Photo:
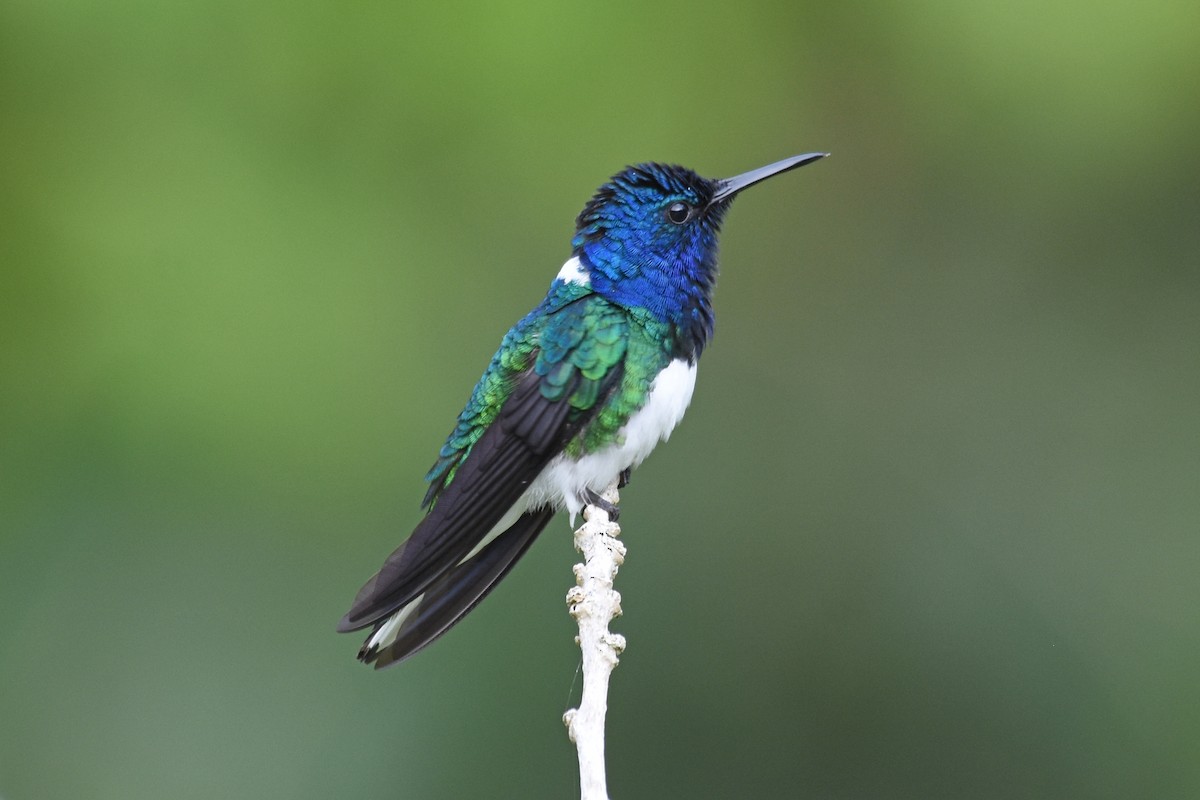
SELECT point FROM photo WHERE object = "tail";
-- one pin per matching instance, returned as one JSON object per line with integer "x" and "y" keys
{"x": 449, "y": 597}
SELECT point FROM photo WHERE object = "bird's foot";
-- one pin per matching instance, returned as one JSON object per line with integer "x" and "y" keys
{"x": 593, "y": 499}
{"x": 623, "y": 479}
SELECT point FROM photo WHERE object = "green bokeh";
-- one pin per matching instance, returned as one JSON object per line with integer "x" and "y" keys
{"x": 929, "y": 531}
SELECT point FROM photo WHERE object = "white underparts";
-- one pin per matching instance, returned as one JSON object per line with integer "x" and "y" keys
{"x": 564, "y": 479}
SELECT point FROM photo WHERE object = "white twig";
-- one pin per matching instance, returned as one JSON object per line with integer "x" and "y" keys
{"x": 593, "y": 603}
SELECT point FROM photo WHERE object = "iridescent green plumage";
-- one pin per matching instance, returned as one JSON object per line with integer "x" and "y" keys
{"x": 606, "y": 356}
{"x": 579, "y": 393}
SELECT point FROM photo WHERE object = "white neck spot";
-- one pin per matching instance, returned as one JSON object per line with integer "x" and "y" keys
{"x": 574, "y": 272}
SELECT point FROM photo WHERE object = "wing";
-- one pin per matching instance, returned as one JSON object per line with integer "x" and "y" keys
{"x": 453, "y": 595}
{"x": 551, "y": 375}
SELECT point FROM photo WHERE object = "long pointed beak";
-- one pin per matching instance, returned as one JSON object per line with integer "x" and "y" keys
{"x": 728, "y": 187}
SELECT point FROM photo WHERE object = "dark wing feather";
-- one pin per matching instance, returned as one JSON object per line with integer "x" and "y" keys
{"x": 573, "y": 362}
{"x": 460, "y": 589}
{"x": 528, "y": 433}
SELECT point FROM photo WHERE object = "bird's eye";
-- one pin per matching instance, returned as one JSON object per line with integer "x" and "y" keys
{"x": 679, "y": 213}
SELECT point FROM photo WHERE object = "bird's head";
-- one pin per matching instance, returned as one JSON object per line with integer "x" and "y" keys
{"x": 648, "y": 238}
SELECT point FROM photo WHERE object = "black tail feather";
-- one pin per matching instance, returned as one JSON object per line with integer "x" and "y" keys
{"x": 449, "y": 598}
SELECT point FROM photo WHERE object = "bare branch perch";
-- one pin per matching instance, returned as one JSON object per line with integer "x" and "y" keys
{"x": 594, "y": 603}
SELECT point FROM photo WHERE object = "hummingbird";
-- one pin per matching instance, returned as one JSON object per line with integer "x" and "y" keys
{"x": 579, "y": 393}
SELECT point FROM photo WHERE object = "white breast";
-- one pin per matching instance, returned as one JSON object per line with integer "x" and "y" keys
{"x": 564, "y": 479}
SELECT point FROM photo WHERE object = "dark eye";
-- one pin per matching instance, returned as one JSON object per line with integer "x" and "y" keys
{"x": 679, "y": 213}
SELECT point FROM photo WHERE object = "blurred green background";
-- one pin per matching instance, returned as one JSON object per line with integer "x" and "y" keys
{"x": 929, "y": 530}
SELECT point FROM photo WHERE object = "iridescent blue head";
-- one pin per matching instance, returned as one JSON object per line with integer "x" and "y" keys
{"x": 648, "y": 240}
